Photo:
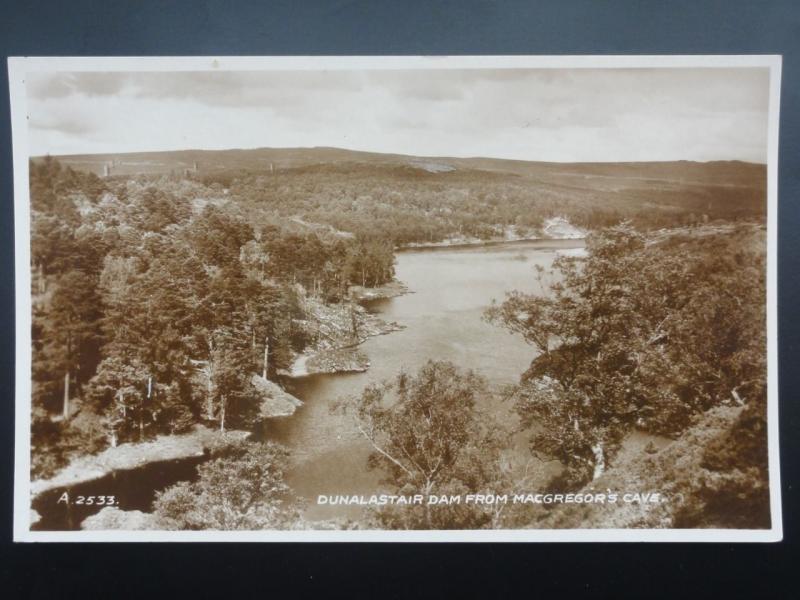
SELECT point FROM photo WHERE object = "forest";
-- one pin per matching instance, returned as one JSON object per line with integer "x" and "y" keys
{"x": 160, "y": 301}
{"x": 664, "y": 335}
{"x": 151, "y": 310}
{"x": 661, "y": 336}
{"x": 415, "y": 200}
{"x": 409, "y": 205}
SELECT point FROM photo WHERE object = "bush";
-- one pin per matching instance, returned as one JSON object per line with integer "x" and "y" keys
{"x": 242, "y": 488}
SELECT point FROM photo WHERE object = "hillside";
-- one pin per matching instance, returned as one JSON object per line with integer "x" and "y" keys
{"x": 697, "y": 447}
{"x": 725, "y": 173}
{"x": 693, "y": 489}
{"x": 423, "y": 200}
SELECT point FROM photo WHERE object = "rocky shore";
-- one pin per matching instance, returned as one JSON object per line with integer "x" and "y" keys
{"x": 275, "y": 401}
{"x": 337, "y": 360}
{"x": 388, "y": 290}
{"x": 338, "y": 329}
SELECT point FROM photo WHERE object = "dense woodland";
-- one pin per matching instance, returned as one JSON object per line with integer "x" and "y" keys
{"x": 157, "y": 297}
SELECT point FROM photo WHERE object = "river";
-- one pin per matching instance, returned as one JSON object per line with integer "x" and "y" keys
{"x": 450, "y": 288}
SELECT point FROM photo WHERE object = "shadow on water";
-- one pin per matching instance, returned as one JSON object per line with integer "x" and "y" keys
{"x": 133, "y": 489}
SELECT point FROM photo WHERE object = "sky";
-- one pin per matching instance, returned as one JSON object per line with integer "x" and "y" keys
{"x": 564, "y": 115}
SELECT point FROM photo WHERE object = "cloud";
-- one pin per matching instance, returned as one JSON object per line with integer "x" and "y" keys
{"x": 60, "y": 85}
{"x": 545, "y": 114}
{"x": 243, "y": 89}
{"x": 63, "y": 124}
{"x": 48, "y": 86}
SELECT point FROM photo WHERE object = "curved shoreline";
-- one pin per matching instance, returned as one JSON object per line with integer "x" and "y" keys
{"x": 132, "y": 455}
{"x": 484, "y": 243}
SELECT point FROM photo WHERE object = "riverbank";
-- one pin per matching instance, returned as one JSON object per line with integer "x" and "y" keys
{"x": 393, "y": 289}
{"x": 338, "y": 329}
{"x": 556, "y": 228}
{"x": 275, "y": 401}
{"x": 133, "y": 455}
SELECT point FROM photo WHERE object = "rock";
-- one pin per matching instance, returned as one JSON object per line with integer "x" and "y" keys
{"x": 560, "y": 229}
{"x": 338, "y": 360}
{"x": 338, "y": 328}
{"x": 112, "y": 518}
{"x": 299, "y": 367}
{"x": 371, "y": 326}
{"x": 275, "y": 401}
{"x": 389, "y": 290}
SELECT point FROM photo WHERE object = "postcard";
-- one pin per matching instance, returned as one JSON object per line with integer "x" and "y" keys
{"x": 473, "y": 299}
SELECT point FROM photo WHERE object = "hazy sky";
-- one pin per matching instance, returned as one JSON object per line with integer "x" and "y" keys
{"x": 531, "y": 114}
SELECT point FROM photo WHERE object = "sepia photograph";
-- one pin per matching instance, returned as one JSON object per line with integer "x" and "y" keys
{"x": 396, "y": 298}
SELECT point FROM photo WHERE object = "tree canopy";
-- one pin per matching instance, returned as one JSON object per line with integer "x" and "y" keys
{"x": 430, "y": 435}
{"x": 242, "y": 488}
{"x": 156, "y": 300}
{"x": 642, "y": 333}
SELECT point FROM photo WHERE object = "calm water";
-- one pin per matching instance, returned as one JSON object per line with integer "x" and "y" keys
{"x": 451, "y": 289}
{"x": 134, "y": 489}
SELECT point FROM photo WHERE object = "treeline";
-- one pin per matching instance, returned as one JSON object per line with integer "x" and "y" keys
{"x": 155, "y": 301}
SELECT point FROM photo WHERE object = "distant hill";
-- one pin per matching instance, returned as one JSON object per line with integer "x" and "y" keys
{"x": 602, "y": 176}
{"x": 425, "y": 200}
